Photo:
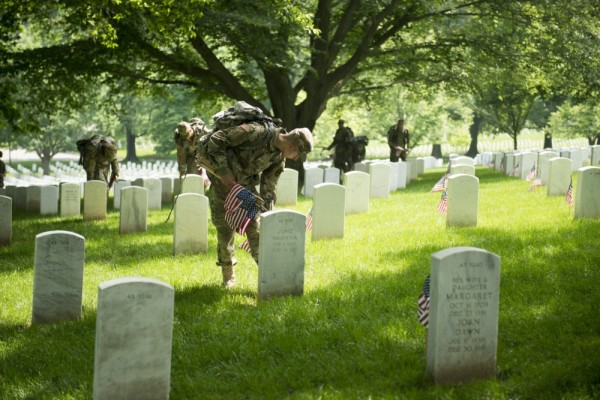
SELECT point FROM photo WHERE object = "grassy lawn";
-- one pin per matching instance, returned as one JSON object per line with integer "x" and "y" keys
{"x": 354, "y": 333}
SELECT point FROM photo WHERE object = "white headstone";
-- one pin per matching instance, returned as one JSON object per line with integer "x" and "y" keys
{"x": 329, "y": 204}
{"x": 462, "y": 336}
{"x": 190, "y": 226}
{"x": 543, "y": 166}
{"x": 361, "y": 167}
{"x": 154, "y": 187}
{"x": 420, "y": 166}
{"x": 587, "y": 193}
{"x": 58, "y": 276}
{"x": 331, "y": 175}
{"x": 5, "y": 221}
{"x": 166, "y": 189}
{"x": 462, "y": 160}
{"x": 119, "y": 185}
{"x": 413, "y": 170}
{"x": 192, "y": 184}
{"x": 134, "y": 335}
{"x": 380, "y": 180}
{"x": 462, "y": 169}
{"x": 463, "y": 199}
{"x": 287, "y": 188}
{"x": 595, "y": 160}
{"x": 393, "y": 176}
{"x": 526, "y": 162}
{"x": 357, "y": 192}
{"x": 312, "y": 177}
{"x": 48, "y": 200}
{"x": 402, "y": 175}
{"x": 559, "y": 176}
{"x": 33, "y": 198}
{"x": 94, "y": 200}
{"x": 70, "y": 199}
{"x": 281, "y": 254}
{"x": 577, "y": 159}
{"x": 134, "y": 210}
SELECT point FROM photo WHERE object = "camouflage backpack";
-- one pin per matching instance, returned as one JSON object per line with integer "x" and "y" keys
{"x": 239, "y": 114}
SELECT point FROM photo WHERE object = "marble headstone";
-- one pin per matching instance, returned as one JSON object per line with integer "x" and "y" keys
{"x": 312, "y": 177}
{"x": 357, "y": 192}
{"x": 119, "y": 185}
{"x": 587, "y": 193}
{"x": 58, "y": 276}
{"x": 70, "y": 199}
{"x": 287, "y": 188}
{"x": 190, "y": 227}
{"x": 380, "y": 180}
{"x": 94, "y": 200}
{"x": 134, "y": 210}
{"x": 192, "y": 184}
{"x": 463, "y": 200}
{"x": 559, "y": 176}
{"x": 5, "y": 221}
{"x": 154, "y": 186}
{"x": 328, "y": 211}
{"x": 134, "y": 335}
{"x": 462, "y": 336}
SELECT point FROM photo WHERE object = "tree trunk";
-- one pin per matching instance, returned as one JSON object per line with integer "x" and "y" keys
{"x": 437, "y": 151}
{"x": 547, "y": 141}
{"x": 514, "y": 141}
{"x": 46, "y": 158}
{"x": 131, "y": 154}
{"x": 474, "y": 132}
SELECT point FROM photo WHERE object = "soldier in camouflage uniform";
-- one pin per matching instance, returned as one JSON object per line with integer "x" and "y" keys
{"x": 398, "y": 140}
{"x": 98, "y": 154}
{"x": 343, "y": 143}
{"x": 240, "y": 154}
{"x": 186, "y": 139}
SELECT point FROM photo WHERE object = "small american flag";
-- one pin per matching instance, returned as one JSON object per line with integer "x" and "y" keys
{"x": 531, "y": 173}
{"x": 440, "y": 185}
{"x": 205, "y": 177}
{"x": 569, "y": 198}
{"x": 309, "y": 221}
{"x": 514, "y": 170}
{"x": 536, "y": 182}
{"x": 245, "y": 245}
{"x": 443, "y": 204}
{"x": 423, "y": 303}
{"x": 240, "y": 208}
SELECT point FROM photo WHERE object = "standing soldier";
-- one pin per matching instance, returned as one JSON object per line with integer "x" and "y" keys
{"x": 186, "y": 139}
{"x": 343, "y": 143}
{"x": 97, "y": 154}
{"x": 237, "y": 159}
{"x": 398, "y": 140}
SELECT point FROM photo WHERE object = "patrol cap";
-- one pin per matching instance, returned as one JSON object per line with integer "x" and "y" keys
{"x": 341, "y": 121}
{"x": 303, "y": 138}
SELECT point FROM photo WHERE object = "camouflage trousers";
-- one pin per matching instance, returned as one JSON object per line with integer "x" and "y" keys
{"x": 226, "y": 235}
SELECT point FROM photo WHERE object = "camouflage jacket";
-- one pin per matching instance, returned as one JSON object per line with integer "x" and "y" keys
{"x": 246, "y": 151}
{"x": 343, "y": 139}
{"x": 97, "y": 158}
{"x": 186, "y": 148}
{"x": 397, "y": 137}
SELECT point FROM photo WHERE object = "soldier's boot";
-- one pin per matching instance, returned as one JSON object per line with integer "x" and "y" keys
{"x": 228, "y": 277}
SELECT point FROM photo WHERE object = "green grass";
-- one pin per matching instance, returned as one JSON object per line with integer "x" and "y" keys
{"x": 354, "y": 333}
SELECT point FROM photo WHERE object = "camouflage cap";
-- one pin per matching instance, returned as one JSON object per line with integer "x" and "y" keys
{"x": 304, "y": 139}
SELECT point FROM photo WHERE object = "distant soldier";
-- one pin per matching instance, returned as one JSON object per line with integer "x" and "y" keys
{"x": 2, "y": 171}
{"x": 343, "y": 143}
{"x": 398, "y": 140}
{"x": 186, "y": 139}
{"x": 359, "y": 148}
{"x": 97, "y": 155}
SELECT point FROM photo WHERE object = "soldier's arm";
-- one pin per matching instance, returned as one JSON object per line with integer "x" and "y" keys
{"x": 268, "y": 183}
{"x": 114, "y": 166}
{"x": 181, "y": 159}
{"x": 390, "y": 136}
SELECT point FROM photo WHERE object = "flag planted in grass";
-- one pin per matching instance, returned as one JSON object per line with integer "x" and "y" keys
{"x": 440, "y": 185}
{"x": 309, "y": 221}
{"x": 514, "y": 170}
{"x": 443, "y": 204}
{"x": 241, "y": 207}
{"x": 423, "y": 303}
{"x": 536, "y": 182}
{"x": 245, "y": 245}
{"x": 569, "y": 197}
{"x": 531, "y": 173}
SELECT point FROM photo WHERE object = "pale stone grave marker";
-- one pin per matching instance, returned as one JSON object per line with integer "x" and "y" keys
{"x": 312, "y": 177}
{"x": 463, "y": 199}
{"x": 287, "y": 188}
{"x": 420, "y": 162}
{"x": 33, "y": 198}
{"x": 177, "y": 186}
{"x": 577, "y": 159}
{"x": 462, "y": 160}
{"x": 526, "y": 162}
{"x": 134, "y": 210}
{"x": 331, "y": 175}
{"x": 393, "y": 176}
{"x": 408, "y": 172}
{"x": 58, "y": 276}
{"x": 48, "y": 200}
{"x": 361, "y": 167}
{"x": 559, "y": 176}
{"x": 154, "y": 187}
{"x": 413, "y": 168}
{"x": 509, "y": 164}
{"x": 281, "y": 254}
{"x": 118, "y": 186}
{"x": 402, "y": 175}
{"x": 380, "y": 180}
{"x": 95, "y": 200}
{"x": 357, "y": 192}
{"x": 328, "y": 211}
{"x": 190, "y": 226}
{"x": 138, "y": 182}
{"x": 462, "y": 337}
{"x": 543, "y": 165}
{"x": 192, "y": 184}
{"x": 5, "y": 221}
{"x": 70, "y": 199}
{"x": 134, "y": 335}
{"x": 587, "y": 193}
{"x": 166, "y": 189}
{"x": 462, "y": 169}
{"x": 498, "y": 157}
{"x": 20, "y": 199}
{"x": 595, "y": 161}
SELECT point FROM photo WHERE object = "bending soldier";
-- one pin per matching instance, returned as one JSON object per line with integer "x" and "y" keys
{"x": 236, "y": 156}
{"x": 398, "y": 140}
{"x": 343, "y": 143}
{"x": 98, "y": 154}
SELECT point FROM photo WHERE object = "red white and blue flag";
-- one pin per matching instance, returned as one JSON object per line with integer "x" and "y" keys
{"x": 531, "y": 173}
{"x": 423, "y": 303}
{"x": 309, "y": 221}
{"x": 514, "y": 170}
{"x": 536, "y": 182}
{"x": 440, "y": 185}
{"x": 569, "y": 197}
{"x": 443, "y": 204}
{"x": 245, "y": 245}
{"x": 240, "y": 208}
